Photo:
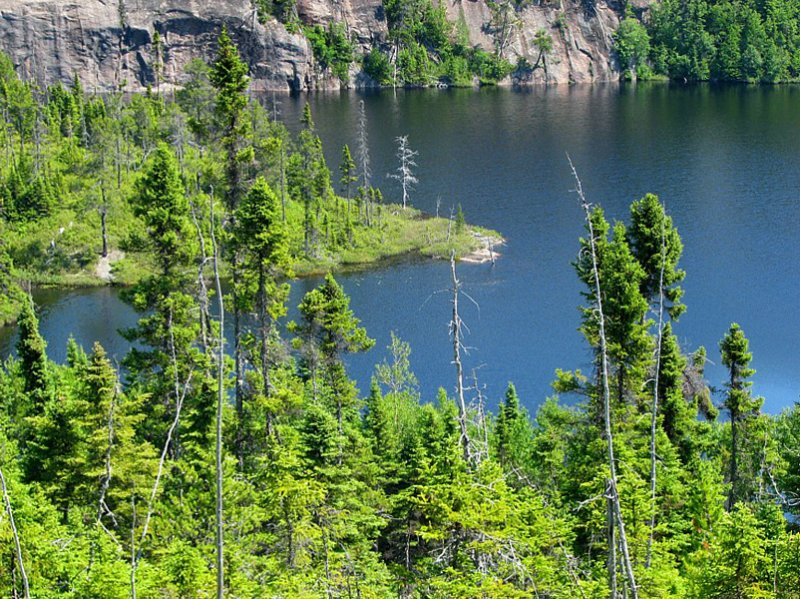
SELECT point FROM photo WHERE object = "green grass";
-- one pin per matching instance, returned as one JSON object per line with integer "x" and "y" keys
{"x": 399, "y": 234}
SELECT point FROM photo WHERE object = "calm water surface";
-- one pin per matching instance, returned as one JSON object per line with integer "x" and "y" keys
{"x": 725, "y": 160}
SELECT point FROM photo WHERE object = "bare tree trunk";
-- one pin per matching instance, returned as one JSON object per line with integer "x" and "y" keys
{"x": 612, "y": 544}
{"x": 238, "y": 358}
{"x": 201, "y": 280}
{"x": 654, "y": 416}
{"x": 455, "y": 330}
{"x": 103, "y": 227}
{"x": 264, "y": 333}
{"x": 220, "y": 404}
{"x": 180, "y": 394}
{"x": 614, "y": 492}
{"x": 133, "y": 543}
{"x": 15, "y": 534}
{"x": 102, "y": 508}
{"x": 484, "y": 428}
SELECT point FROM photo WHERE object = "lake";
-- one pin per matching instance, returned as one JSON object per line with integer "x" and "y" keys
{"x": 725, "y": 160}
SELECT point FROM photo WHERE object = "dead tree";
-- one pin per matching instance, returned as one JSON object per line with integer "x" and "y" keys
{"x": 405, "y": 171}
{"x": 17, "y": 547}
{"x": 612, "y": 491}
{"x": 102, "y": 506}
{"x": 455, "y": 330}
{"x": 205, "y": 319}
{"x": 220, "y": 404}
{"x": 654, "y": 416}
{"x": 363, "y": 153}
{"x": 180, "y": 395}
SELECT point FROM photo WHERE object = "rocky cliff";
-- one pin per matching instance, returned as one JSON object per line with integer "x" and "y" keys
{"x": 109, "y": 43}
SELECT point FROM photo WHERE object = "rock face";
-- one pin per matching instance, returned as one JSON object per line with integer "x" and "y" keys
{"x": 580, "y": 33}
{"x": 109, "y": 43}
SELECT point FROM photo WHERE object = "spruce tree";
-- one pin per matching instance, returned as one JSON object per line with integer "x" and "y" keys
{"x": 743, "y": 410}
{"x": 656, "y": 244}
{"x": 349, "y": 176}
{"x": 229, "y": 78}
{"x": 263, "y": 240}
{"x": 328, "y": 330}
{"x": 162, "y": 205}
{"x": 33, "y": 359}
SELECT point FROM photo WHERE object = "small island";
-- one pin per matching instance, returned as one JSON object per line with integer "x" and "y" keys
{"x": 76, "y": 211}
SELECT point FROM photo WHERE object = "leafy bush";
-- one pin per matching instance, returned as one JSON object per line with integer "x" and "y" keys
{"x": 332, "y": 49}
{"x": 377, "y": 65}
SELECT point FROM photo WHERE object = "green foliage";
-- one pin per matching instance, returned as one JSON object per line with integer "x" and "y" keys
{"x": 460, "y": 221}
{"x": 161, "y": 204}
{"x": 632, "y": 44}
{"x": 657, "y": 246}
{"x": 725, "y": 40}
{"x": 229, "y": 78}
{"x": 33, "y": 359}
{"x": 747, "y": 434}
{"x": 332, "y": 49}
{"x": 283, "y": 10}
{"x": 431, "y": 50}
{"x": 327, "y": 492}
{"x": 378, "y": 66}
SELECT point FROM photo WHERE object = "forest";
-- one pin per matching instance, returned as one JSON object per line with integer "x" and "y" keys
{"x": 253, "y": 467}
{"x": 717, "y": 40}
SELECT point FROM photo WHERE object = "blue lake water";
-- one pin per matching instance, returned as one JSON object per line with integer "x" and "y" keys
{"x": 726, "y": 160}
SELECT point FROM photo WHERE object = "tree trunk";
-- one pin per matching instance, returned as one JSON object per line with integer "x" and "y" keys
{"x": 15, "y": 534}
{"x": 455, "y": 328}
{"x": 606, "y": 392}
{"x": 220, "y": 403}
{"x": 654, "y": 416}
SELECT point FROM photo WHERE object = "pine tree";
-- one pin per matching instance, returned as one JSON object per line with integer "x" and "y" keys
{"x": 652, "y": 235}
{"x": 348, "y": 170}
{"x": 262, "y": 236}
{"x": 229, "y": 78}
{"x": 33, "y": 359}
{"x": 743, "y": 410}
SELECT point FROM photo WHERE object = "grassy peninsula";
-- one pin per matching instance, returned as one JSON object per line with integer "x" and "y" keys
{"x": 73, "y": 166}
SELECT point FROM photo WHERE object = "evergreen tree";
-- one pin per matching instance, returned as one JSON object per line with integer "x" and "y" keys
{"x": 511, "y": 432}
{"x": 656, "y": 245}
{"x": 348, "y": 170}
{"x": 262, "y": 236}
{"x": 161, "y": 203}
{"x": 625, "y": 308}
{"x": 679, "y": 414}
{"x": 33, "y": 359}
{"x": 744, "y": 410}
{"x": 229, "y": 78}
{"x": 328, "y": 331}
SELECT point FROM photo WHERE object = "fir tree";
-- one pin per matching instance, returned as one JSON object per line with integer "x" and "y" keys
{"x": 743, "y": 410}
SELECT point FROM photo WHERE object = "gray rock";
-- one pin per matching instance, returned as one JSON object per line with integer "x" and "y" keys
{"x": 109, "y": 43}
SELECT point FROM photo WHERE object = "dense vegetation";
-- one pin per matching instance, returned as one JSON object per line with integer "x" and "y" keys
{"x": 716, "y": 40}
{"x": 258, "y": 470}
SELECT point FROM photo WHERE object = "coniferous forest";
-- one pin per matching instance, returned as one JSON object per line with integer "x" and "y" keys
{"x": 203, "y": 466}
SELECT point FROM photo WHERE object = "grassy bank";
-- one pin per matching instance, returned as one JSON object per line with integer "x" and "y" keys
{"x": 64, "y": 250}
